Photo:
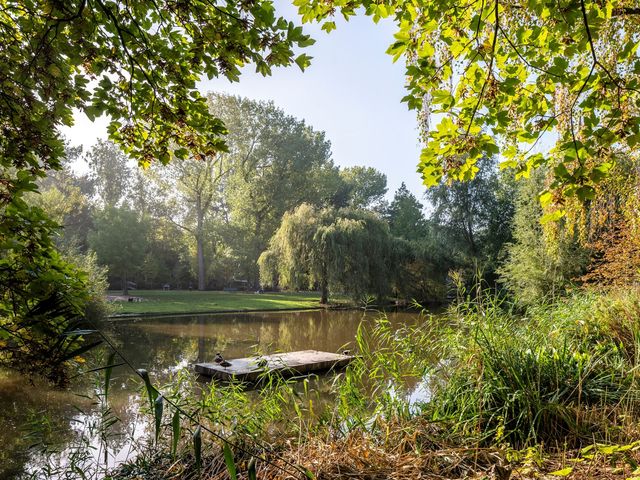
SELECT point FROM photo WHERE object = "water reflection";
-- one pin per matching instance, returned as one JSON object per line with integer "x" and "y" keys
{"x": 161, "y": 346}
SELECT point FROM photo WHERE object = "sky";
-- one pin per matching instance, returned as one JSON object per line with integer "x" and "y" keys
{"x": 351, "y": 91}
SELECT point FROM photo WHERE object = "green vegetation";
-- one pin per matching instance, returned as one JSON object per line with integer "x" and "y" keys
{"x": 180, "y": 301}
{"x": 496, "y": 387}
{"x": 543, "y": 360}
{"x": 138, "y": 65}
{"x": 344, "y": 250}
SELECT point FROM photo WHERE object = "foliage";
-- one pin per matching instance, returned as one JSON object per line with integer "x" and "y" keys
{"x": 424, "y": 276}
{"x": 111, "y": 173}
{"x": 276, "y": 162}
{"x": 506, "y": 76}
{"x": 167, "y": 257}
{"x": 405, "y": 216}
{"x": 609, "y": 228}
{"x": 472, "y": 221}
{"x": 365, "y": 187}
{"x": 542, "y": 260}
{"x": 550, "y": 377}
{"x": 138, "y": 63}
{"x": 119, "y": 239}
{"x": 96, "y": 281}
{"x": 344, "y": 250}
{"x": 42, "y": 297}
{"x": 193, "y": 190}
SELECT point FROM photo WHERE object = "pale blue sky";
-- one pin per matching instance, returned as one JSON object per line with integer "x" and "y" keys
{"x": 352, "y": 91}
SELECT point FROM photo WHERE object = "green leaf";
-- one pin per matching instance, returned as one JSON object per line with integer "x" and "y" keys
{"x": 175, "y": 432}
{"x": 552, "y": 217}
{"x": 586, "y": 192}
{"x": 561, "y": 172}
{"x": 157, "y": 412}
{"x": 328, "y": 26}
{"x": 545, "y": 198}
{"x": 306, "y": 42}
{"x": 230, "y": 462}
{"x": 562, "y": 473}
{"x": 303, "y": 61}
{"x": 251, "y": 469}
{"x": 152, "y": 393}
{"x": 197, "y": 447}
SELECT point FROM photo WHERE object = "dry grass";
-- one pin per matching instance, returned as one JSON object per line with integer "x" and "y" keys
{"x": 358, "y": 457}
{"x": 399, "y": 452}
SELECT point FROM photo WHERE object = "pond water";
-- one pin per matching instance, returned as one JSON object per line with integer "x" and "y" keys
{"x": 38, "y": 422}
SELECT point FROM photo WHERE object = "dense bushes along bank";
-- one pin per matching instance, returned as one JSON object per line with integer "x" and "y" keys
{"x": 482, "y": 389}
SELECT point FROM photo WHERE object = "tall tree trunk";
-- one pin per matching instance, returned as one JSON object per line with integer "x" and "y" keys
{"x": 200, "y": 244}
{"x": 125, "y": 284}
{"x": 324, "y": 287}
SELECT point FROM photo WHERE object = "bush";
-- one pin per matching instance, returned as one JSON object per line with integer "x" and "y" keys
{"x": 547, "y": 377}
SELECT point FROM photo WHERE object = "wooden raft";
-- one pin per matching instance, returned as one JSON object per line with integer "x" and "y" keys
{"x": 290, "y": 363}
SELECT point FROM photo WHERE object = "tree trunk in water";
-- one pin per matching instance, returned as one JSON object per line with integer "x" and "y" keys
{"x": 199, "y": 245}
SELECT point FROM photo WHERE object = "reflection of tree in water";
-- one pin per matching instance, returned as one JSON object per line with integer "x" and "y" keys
{"x": 164, "y": 343}
{"x": 162, "y": 346}
{"x": 32, "y": 414}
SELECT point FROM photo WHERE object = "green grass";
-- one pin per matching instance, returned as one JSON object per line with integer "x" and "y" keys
{"x": 179, "y": 301}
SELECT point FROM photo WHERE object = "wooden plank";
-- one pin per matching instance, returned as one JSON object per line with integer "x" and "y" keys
{"x": 289, "y": 363}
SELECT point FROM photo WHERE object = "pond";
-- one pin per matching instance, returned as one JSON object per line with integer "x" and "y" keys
{"x": 38, "y": 422}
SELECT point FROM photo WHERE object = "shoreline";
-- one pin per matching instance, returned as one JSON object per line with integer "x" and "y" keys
{"x": 123, "y": 316}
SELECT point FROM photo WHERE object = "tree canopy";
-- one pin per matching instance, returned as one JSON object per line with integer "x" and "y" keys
{"x": 542, "y": 83}
{"x": 137, "y": 62}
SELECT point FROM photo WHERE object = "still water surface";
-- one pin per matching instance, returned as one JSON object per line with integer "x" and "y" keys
{"x": 32, "y": 414}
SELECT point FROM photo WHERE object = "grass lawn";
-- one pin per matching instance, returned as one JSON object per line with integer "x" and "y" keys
{"x": 182, "y": 301}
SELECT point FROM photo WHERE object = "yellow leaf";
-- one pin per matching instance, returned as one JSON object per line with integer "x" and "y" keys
{"x": 562, "y": 473}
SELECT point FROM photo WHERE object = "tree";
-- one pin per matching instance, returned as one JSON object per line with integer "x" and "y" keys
{"x": 405, "y": 215}
{"x": 345, "y": 250}
{"x": 365, "y": 186}
{"x": 66, "y": 198}
{"x": 542, "y": 259}
{"x": 473, "y": 220}
{"x": 110, "y": 172}
{"x": 276, "y": 162}
{"x": 119, "y": 239}
{"x": 609, "y": 226}
{"x": 500, "y": 77}
{"x": 193, "y": 188}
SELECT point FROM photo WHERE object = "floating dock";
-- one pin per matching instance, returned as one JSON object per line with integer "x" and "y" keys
{"x": 291, "y": 363}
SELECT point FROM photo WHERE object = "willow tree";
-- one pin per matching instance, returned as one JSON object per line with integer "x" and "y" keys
{"x": 347, "y": 250}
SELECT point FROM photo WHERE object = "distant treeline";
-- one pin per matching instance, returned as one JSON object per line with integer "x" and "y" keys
{"x": 276, "y": 196}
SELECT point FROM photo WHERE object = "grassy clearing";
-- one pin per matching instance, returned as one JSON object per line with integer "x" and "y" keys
{"x": 178, "y": 301}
